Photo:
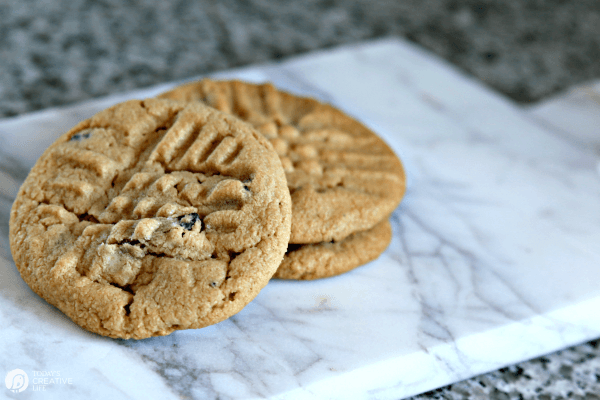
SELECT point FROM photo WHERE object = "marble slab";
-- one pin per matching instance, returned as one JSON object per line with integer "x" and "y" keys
{"x": 574, "y": 115}
{"x": 494, "y": 258}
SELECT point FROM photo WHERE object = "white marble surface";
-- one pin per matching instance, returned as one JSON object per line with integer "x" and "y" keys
{"x": 574, "y": 115}
{"x": 494, "y": 259}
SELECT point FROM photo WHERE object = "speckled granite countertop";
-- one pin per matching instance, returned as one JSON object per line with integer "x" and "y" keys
{"x": 57, "y": 52}
{"x": 573, "y": 373}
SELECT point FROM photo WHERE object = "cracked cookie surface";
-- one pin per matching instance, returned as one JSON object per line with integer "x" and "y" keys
{"x": 322, "y": 260}
{"x": 342, "y": 177}
{"x": 152, "y": 216}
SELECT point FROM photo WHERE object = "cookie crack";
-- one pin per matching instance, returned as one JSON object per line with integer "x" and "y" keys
{"x": 126, "y": 288}
{"x": 87, "y": 217}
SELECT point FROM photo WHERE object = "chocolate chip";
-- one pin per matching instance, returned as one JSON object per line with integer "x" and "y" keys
{"x": 246, "y": 182}
{"x": 188, "y": 221}
{"x": 81, "y": 135}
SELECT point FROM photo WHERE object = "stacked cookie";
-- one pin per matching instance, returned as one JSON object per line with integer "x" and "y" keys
{"x": 344, "y": 180}
{"x": 173, "y": 213}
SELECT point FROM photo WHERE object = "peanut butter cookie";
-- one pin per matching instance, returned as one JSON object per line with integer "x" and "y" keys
{"x": 152, "y": 216}
{"x": 342, "y": 177}
{"x": 322, "y": 260}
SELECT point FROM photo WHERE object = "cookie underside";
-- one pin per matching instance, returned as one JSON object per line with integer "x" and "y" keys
{"x": 322, "y": 260}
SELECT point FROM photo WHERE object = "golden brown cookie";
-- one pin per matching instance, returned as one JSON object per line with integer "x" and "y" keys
{"x": 322, "y": 260}
{"x": 152, "y": 216}
{"x": 342, "y": 177}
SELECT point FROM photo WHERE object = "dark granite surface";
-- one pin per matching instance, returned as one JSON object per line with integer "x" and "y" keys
{"x": 58, "y": 52}
{"x": 573, "y": 373}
